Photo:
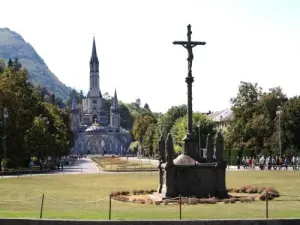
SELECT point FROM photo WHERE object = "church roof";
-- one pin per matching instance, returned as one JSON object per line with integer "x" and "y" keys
{"x": 223, "y": 115}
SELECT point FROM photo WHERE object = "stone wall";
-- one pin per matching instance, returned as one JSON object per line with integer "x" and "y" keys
{"x": 148, "y": 222}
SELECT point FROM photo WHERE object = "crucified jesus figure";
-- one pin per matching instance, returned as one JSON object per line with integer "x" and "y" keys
{"x": 190, "y": 58}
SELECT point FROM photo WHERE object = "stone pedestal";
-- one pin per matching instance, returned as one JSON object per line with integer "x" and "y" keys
{"x": 190, "y": 175}
{"x": 189, "y": 178}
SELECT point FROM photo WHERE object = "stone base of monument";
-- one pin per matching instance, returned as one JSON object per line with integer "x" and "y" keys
{"x": 189, "y": 178}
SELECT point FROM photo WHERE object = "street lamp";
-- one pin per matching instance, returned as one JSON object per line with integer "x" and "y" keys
{"x": 5, "y": 117}
{"x": 278, "y": 112}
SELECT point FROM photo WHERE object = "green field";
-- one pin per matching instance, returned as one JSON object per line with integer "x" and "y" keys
{"x": 115, "y": 163}
{"x": 75, "y": 196}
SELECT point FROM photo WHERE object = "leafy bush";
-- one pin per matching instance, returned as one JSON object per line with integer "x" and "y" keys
{"x": 125, "y": 192}
{"x": 114, "y": 193}
{"x": 229, "y": 200}
{"x": 252, "y": 190}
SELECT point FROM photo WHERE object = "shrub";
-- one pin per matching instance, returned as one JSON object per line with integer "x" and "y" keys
{"x": 212, "y": 200}
{"x": 134, "y": 192}
{"x": 125, "y": 192}
{"x": 272, "y": 192}
{"x": 140, "y": 192}
{"x": 193, "y": 201}
{"x": 230, "y": 200}
{"x": 252, "y": 190}
{"x": 230, "y": 190}
{"x": 122, "y": 198}
{"x": 260, "y": 190}
{"x": 114, "y": 193}
{"x": 247, "y": 199}
{"x": 263, "y": 196}
{"x": 244, "y": 189}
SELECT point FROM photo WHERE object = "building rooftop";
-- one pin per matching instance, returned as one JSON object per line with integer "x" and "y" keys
{"x": 223, "y": 115}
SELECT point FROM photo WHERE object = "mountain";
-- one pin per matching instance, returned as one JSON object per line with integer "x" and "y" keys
{"x": 13, "y": 45}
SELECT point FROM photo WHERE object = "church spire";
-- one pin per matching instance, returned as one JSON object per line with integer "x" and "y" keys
{"x": 94, "y": 57}
{"x": 115, "y": 102}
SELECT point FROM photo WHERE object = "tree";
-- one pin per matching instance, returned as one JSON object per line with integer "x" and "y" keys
{"x": 146, "y": 106}
{"x": 290, "y": 124}
{"x": 138, "y": 102}
{"x": 141, "y": 125}
{"x": 126, "y": 117}
{"x": 244, "y": 107}
{"x": 16, "y": 64}
{"x": 21, "y": 99}
{"x": 9, "y": 63}
{"x": 34, "y": 128}
{"x": 179, "y": 130}
{"x": 148, "y": 143}
{"x": 2, "y": 65}
{"x": 52, "y": 99}
{"x": 107, "y": 96}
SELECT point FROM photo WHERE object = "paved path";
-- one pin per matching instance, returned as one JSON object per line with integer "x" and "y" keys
{"x": 80, "y": 166}
{"x": 87, "y": 166}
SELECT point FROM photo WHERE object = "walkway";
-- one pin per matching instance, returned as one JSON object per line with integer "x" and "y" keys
{"x": 80, "y": 166}
{"x": 87, "y": 166}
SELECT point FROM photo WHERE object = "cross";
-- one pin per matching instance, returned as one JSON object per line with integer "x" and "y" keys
{"x": 189, "y": 45}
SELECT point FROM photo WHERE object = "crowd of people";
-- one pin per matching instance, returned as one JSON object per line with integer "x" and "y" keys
{"x": 269, "y": 162}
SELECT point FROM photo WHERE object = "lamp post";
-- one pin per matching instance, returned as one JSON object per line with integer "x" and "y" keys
{"x": 278, "y": 112}
{"x": 5, "y": 117}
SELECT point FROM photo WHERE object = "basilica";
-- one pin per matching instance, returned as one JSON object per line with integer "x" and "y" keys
{"x": 98, "y": 129}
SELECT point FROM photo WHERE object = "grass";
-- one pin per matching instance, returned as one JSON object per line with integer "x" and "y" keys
{"x": 67, "y": 196}
{"x": 115, "y": 163}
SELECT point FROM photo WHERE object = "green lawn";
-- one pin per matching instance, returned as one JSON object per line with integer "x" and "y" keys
{"x": 115, "y": 163}
{"x": 67, "y": 196}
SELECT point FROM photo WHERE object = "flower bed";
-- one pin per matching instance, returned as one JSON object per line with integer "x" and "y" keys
{"x": 144, "y": 196}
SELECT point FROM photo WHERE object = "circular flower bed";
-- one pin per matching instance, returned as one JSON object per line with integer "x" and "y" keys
{"x": 244, "y": 194}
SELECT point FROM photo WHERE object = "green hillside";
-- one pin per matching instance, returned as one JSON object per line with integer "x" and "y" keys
{"x": 13, "y": 45}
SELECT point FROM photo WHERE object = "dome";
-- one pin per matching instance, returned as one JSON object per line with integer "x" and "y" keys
{"x": 95, "y": 128}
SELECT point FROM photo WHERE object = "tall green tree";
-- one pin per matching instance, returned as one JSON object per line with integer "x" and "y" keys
{"x": 179, "y": 129}
{"x": 141, "y": 125}
{"x": 244, "y": 107}
{"x": 290, "y": 125}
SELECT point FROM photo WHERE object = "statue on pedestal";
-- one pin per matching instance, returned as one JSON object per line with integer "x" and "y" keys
{"x": 209, "y": 148}
{"x": 219, "y": 147}
{"x": 170, "y": 150}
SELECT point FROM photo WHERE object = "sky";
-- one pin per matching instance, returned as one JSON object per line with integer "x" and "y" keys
{"x": 247, "y": 40}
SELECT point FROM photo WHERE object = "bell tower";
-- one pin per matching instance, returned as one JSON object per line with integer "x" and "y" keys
{"x": 94, "y": 95}
{"x": 114, "y": 113}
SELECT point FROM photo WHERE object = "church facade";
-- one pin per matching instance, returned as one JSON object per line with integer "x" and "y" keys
{"x": 97, "y": 129}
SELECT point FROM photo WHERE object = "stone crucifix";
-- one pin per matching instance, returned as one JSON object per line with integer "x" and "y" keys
{"x": 189, "y": 45}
